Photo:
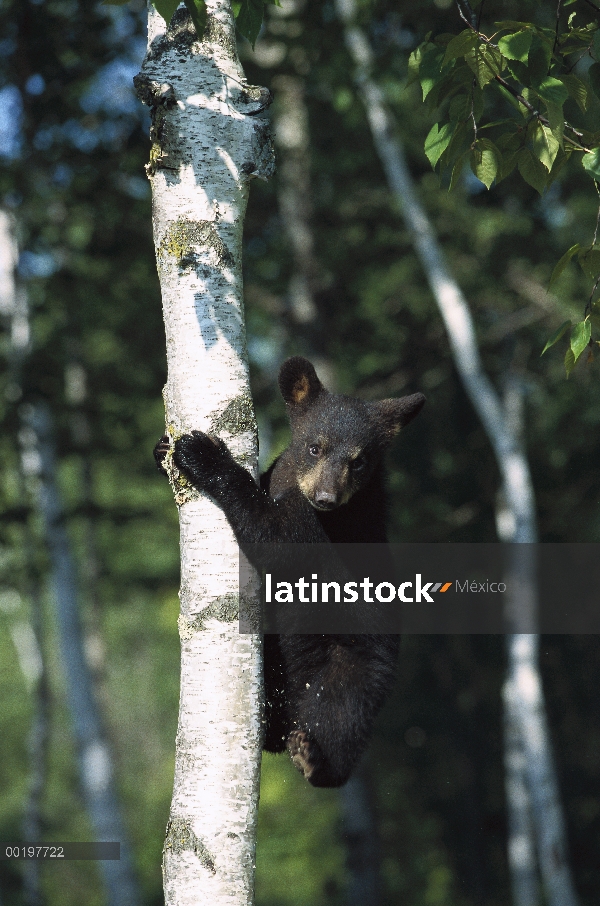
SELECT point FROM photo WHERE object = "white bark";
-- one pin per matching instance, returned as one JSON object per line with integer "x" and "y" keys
{"x": 528, "y": 752}
{"x": 206, "y": 146}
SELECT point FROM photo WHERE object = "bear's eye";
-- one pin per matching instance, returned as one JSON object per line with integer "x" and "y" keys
{"x": 359, "y": 463}
{"x": 314, "y": 450}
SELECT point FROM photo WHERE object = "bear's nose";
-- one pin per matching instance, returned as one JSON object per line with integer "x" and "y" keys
{"x": 325, "y": 500}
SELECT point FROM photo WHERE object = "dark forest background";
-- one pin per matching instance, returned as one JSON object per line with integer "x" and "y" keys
{"x": 73, "y": 144}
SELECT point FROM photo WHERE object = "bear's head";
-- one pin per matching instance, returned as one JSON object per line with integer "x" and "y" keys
{"x": 337, "y": 441}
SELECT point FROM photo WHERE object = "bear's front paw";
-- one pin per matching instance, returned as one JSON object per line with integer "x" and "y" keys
{"x": 202, "y": 458}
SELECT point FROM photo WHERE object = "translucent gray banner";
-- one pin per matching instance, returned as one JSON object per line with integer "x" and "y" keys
{"x": 340, "y": 589}
{"x": 52, "y": 852}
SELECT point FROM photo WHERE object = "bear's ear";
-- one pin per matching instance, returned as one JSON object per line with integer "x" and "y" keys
{"x": 395, "y": 414}
{"x": 299, "y": 383}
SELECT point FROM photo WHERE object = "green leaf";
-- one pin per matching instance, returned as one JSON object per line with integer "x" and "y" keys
{"x": 594, "y": 77}
{"x": 460, "y": 45}
{"x": 511, "y": 99}
{"x": 511, "y": 24}
{"x": 596, "y": 45}
{"x": 414, "y": 62}
{"x": 545, "y": 146}
{"x": 580, "y": 337}
{"x": 462, "y": 75}
{"x": 477, "y": 95}
{"x": 519, "y": 71}
{"x": 563, "y": 263}
{"x": 445, "y": 88}
{"x": 507, "y": 165}
{"x": 197, "y": 11}
{"x": 532, "y": 171}
{"x": 539, "y": 58}
{"x": 516, "y": 46}
{"x": 556, "y": 336}
{"x": 496, "y": 123}
{"x": 569, "y": 361}
{"x": 166, "y": 8}
{"x": 591, "y": 163}
{"x": 556, "y": 118}
{"x": 462, "y": 136}
{"x": 249, "y": 19}
{"x": 485, "y": 160}
{"x": 457, "y": 170}
{"x": 589, "y": 261}
{"x": 460, "y": 108}
{"x": 577, "y": 89}
{"x": 437, "y": 141}
{"x": 561, "y": 159}
{"x": 506, "y": 24}
{"x": 551, "y": 90}
{"x": 510, "y": 141}
{"x": 531, "y": 97}
{"x": 430, "y": 69}
{"x": 486, "y": 62}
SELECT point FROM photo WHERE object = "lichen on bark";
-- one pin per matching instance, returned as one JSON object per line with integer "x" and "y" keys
{"x": 186, "y": 240}
{"x": 180, "y": 838}
{"x": 236, "y": 418}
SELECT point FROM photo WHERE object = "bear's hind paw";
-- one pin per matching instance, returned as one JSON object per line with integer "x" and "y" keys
{"x": 299, "y": 746}
{"x": 318, "y": 769}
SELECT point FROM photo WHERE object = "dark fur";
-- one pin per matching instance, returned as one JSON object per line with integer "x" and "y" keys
{"x": 322, "y": 692}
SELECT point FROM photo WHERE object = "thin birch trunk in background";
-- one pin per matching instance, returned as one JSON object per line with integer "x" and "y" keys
{"x": 521, "y": 605}
{"x": 28, "y": 635}
{"x": 206, "y": 145}
{"x": 361, "y": 838}
{"x": 525, "y": 711}
{"x": 294, "y": 197}
{"x": 38, "y": 468}
{"x": 93, "y": 753}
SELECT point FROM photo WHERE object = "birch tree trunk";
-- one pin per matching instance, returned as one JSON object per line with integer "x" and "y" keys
{"x": 527, "y": 743}
{"x": 206, "y": 145}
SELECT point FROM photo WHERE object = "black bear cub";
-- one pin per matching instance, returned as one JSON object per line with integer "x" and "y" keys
{"x": 322, "y": 692}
